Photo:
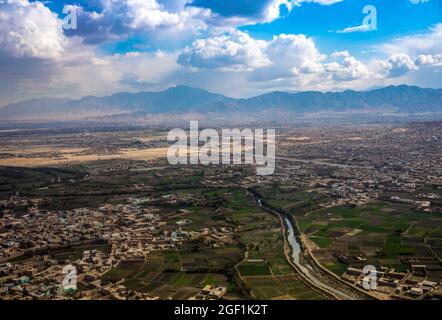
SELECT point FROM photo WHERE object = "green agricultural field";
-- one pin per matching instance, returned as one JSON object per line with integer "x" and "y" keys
{"x": 176, "y": 285}
{"x": 280, "y": 267}
{"x": 280, "y": 287}
{"x": 376, "y": 229}
{"x": 123, "y": 271}
{"x": 322, "y": 242}
{"x": 254, "y": 269}
{"x": 261, "y": 233}
{"x": 303, "y": 224}
{"x": 336, "y": 267}
{"x": 291, "y": 199}
{"x": 179, "y": 285}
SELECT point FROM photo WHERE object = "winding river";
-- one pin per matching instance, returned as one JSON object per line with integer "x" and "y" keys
{"x": 296, "y": 247}
{"x": 296, "y": 252}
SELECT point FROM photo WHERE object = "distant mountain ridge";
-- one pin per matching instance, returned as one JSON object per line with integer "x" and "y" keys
{"x": 183, "y": 99}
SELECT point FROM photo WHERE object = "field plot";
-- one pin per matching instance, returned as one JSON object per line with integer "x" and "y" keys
{"x": 280, "y": 288}
{"x": 254, "y": 269}
{"x": 381, "y": 233}
{"x": 291, "y": 199}
{"x": 174, "y": 285}
{"x": 160, "y": 276}
{"x": 265, "y": 270}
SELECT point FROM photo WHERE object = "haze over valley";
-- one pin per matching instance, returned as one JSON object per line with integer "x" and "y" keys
{"x": 399, "y": 100}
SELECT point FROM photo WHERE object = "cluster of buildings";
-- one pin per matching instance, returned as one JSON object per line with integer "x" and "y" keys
{"x": 419, "y": 205}
{"x": 388, "y": 282}
{"x": 210, "y": 292}
{"x": 37, "y": 246}
{"x": 359, "y": 164}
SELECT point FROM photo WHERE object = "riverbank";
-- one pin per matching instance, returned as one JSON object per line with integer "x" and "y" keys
{"x": 312, "y": 274}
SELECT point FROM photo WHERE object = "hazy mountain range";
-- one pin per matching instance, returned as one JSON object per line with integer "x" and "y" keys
{"x": 182, "y": 99}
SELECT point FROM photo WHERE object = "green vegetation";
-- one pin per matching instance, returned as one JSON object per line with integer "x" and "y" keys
{"x": 293, "y": 200}
{"x": 253, "y": 269}
{"x": 322, "y": 242}
{"x": 280, "y": 287}
{"x": 379, "y": 226}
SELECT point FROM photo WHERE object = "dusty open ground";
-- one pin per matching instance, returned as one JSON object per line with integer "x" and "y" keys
{"x": 67, "y": 157}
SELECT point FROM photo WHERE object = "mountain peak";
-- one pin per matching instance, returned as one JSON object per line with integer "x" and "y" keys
{"x": 186, "y": 99}
{"x": 184, "y": 88}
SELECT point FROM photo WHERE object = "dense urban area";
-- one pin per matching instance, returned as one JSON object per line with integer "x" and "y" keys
{"x": 102, "y": 204}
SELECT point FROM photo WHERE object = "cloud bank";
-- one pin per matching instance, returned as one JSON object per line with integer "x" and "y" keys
{"x": 208, "y": 50}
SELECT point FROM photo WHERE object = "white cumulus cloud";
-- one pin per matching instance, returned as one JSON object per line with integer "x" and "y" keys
{"x": 236, "y": 50}
{"x": 346, "y": 67}
{"x": 30, "y": 30}
{"x": 399, "y": 65}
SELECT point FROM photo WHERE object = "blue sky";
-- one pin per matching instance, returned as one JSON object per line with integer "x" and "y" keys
{"x": 240, "y": 48}
{"x": 395, "y": 18}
